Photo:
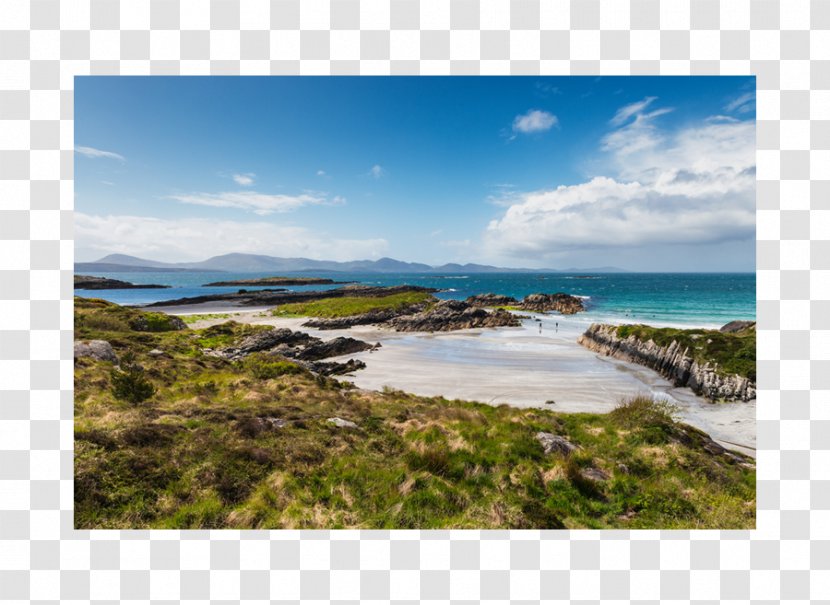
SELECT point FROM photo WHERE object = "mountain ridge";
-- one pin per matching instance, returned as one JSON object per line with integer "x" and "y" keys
{"x": 253, "y": 263}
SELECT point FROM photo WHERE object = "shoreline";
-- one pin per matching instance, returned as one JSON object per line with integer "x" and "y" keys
{"x": 521, "y": 367}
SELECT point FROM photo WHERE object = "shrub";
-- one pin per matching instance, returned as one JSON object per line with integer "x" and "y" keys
{"x": 129, "y": 383}
{"x": 264, "y": 366}
{"x": 643, "y": 411}
{"x": 101, "y": 321}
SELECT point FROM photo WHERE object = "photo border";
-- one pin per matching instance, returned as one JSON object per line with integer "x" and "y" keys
{"x": 45, "y": 43}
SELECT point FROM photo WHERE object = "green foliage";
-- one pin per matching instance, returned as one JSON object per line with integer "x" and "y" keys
{"x": 733, "y": 352}
{"x": 153, "y": 322}
{"x": 197, "y": 317}
{"x": 643, "y": 411}
{"x": 351, "y": 305}
{"x": 263, "y": 366}
{"x": 94, "y": 316}
{"x": 225, "y": 334}
{"x": 128, "y": 381}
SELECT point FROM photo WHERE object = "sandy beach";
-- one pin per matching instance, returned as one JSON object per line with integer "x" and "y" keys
{"x": 536, "y": 365}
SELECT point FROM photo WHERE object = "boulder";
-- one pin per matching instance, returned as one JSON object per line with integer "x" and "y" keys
{"x": 594, "y": 474}
{"x": 95, "y": 349}
{"x": 342, "y": 424}
{"x": 737, "y": 326}
{"x": 555, "y": 443}
{"x": 560, "y": 302}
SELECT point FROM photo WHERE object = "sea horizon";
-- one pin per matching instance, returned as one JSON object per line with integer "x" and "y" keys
{"x": 685, "y": 299}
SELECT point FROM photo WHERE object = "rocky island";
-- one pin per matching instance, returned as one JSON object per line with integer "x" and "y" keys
{"x": 272, "y": 297}
{"x": 566, "y": 304}
{"x": 90, "y": 282}
{"x": 716, "y": 364}
{"x": 278, "y": 281}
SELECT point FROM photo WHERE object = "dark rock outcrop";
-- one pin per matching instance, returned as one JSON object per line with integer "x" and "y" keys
{"x": 450, "y": 315}
{"x": 491, "y": 300}
{"x": 91, "y": 282}
{"x": 672, "y": 361}
{"x": 265, "y": 341}
{"x": 737, "y": 326}
{"x": 560, "y": 302}
{"x": 320, "y": 349}
{"x": 377, "y": 316}
{"x": 336, "y": 368}
{"x": 305, "y": 349}
{"x": 95, "y": 349}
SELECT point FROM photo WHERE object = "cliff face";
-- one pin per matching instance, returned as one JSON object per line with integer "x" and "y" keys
{"x": 672, "y": 361}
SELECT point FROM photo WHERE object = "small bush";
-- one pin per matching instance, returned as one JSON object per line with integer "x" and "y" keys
{"x": 129, "y": 383}
{"x": 102, "y": 321}
{"x": 642, "y": 411}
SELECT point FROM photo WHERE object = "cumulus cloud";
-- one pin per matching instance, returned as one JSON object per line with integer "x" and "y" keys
{"x": 534, "y": 120}
{"x": 197, "y": 239}
{"x": 91, "y": 152}
{"x": 246, "y": 179}
{"x": 258, "y": 203}
{"x": 695, "y": 185}
{"x": 321, "y": 173}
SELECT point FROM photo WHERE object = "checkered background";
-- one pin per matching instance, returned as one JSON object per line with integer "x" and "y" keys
{"x": 44, "y": 43}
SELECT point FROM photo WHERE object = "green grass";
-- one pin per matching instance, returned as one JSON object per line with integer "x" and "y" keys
{"x": 733, "y": 352}
{"x": 200, "y": 453}
{"x": 351, "y": 305}
{"x": 196, "y": 317}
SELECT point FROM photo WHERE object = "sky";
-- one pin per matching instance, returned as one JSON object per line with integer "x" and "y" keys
{"x": 643, "y": 173}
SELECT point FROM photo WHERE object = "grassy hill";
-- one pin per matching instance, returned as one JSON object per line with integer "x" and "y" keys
{"x": 218, "y": 444}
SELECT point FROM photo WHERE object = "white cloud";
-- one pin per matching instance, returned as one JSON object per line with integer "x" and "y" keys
{"x": 91, "y": 152}
{"x": 534, "y": 120}
{"x": 258, "y": 203}
{"x": 246, "y": 179}
{"x": 321, "y": 173}
{"x": 626, "y": 111}
{"x": 377, "y": 171}
{"x": 693, "y": 186}
{"x": 638, "y": 135}
{"x": 742, "y": 104}
{"x": 198, "y": 239}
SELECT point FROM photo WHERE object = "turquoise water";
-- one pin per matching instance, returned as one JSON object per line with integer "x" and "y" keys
{"x": 691, "y": 299}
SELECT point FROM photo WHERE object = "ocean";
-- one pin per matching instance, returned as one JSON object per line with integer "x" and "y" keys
{"x": 659, "y": 299}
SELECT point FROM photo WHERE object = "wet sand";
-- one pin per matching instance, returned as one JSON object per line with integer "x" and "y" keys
{"x": 522, "y": 366}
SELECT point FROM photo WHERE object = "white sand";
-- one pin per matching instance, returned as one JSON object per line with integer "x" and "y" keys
{"x": 521, "y": 367}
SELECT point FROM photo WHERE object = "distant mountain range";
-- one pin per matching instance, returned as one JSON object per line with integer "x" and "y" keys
{"x": 257, "y": 263}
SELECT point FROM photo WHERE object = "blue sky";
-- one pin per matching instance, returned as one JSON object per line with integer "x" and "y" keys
{"x": 646, "y": 173}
